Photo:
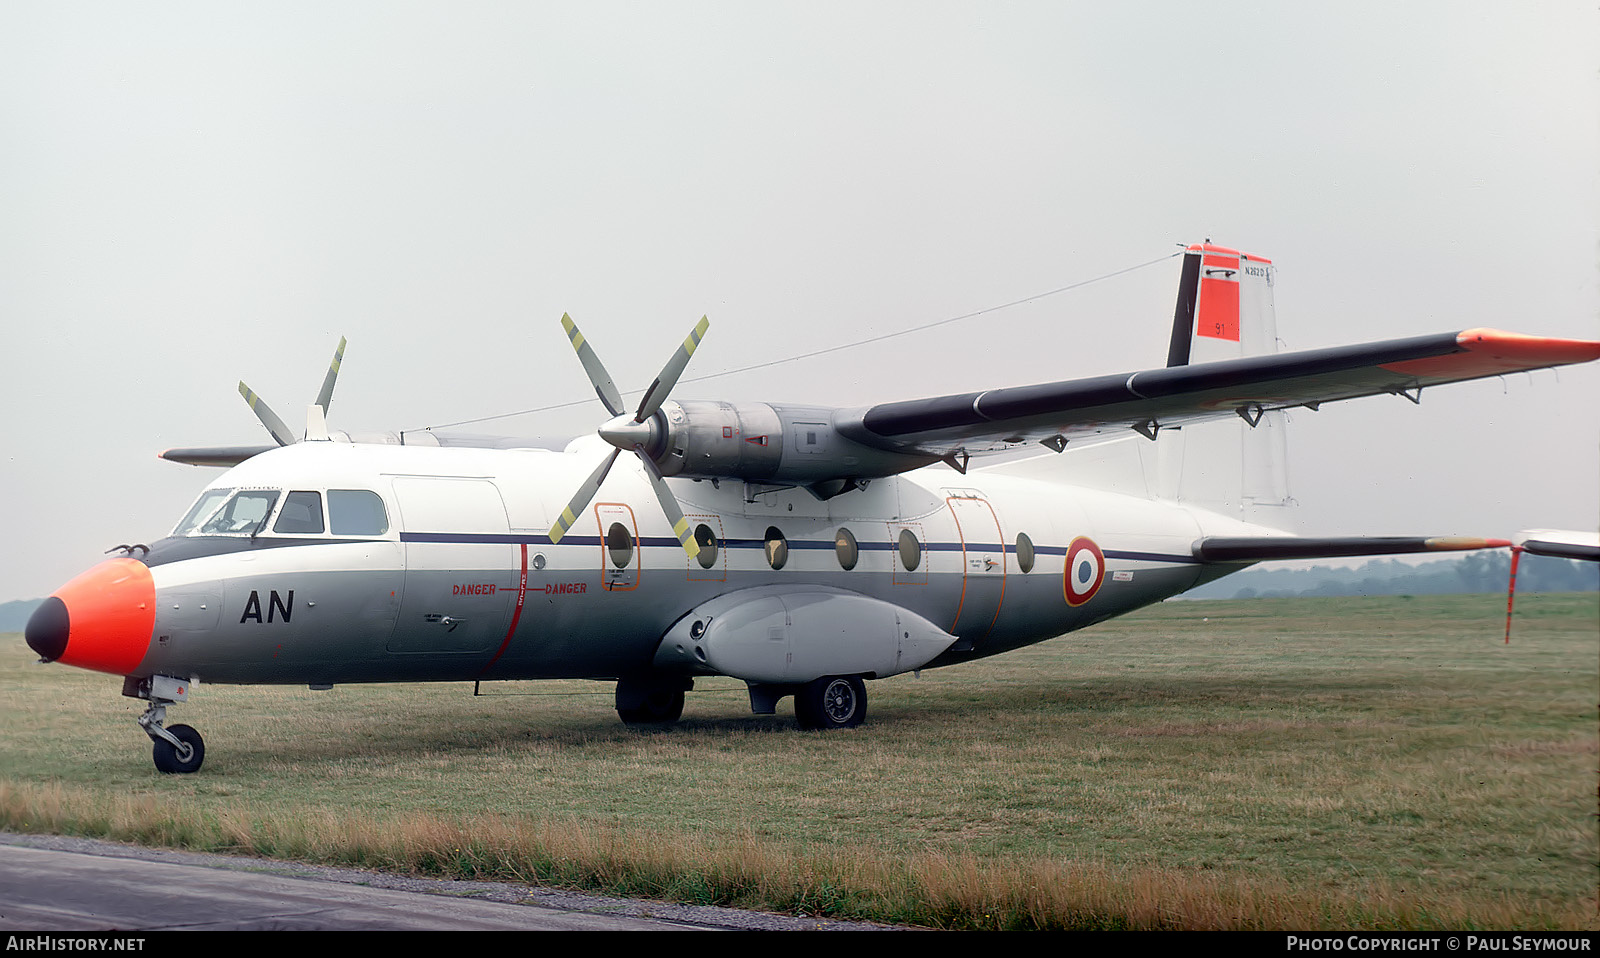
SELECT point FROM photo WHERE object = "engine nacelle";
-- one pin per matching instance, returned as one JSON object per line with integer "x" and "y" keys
{"x": 758, "y": 442}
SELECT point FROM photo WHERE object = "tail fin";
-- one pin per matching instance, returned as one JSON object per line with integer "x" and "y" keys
{"x": 1224, "y": 307}
{"x": 1225, "y": 311}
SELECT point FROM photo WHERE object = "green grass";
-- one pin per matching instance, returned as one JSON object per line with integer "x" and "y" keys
{"x": 1383, "y": 762}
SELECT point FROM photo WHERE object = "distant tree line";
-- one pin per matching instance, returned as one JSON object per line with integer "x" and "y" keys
{"x": 1487, "y": 571}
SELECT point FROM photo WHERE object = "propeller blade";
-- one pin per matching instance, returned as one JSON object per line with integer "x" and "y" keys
{"x": 669, "y": 505}
{"x": 580, "y": 500}
{"x": 603, "y": 386}
{"x": 326, "y": 395}
{"x": 268, "y": 418}
{"x": 657, "y": 393}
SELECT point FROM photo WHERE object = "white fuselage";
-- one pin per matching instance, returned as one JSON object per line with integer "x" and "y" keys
{"x": 464, "y": 583}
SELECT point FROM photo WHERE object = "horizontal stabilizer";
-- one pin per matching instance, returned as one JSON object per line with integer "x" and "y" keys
{"x": 214, "y": 455}
{"x": 1262, "y": 548}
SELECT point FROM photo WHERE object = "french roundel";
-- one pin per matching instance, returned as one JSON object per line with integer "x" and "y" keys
{"x": 1086, "y": 569}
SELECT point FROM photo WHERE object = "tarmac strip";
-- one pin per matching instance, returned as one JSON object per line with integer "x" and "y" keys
{"x": 56, "y": 883}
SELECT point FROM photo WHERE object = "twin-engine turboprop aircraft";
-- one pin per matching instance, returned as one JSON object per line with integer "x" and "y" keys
{"x": 801, "y": 549}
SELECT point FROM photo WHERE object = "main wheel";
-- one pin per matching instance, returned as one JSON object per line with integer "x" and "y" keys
{"x": 183, "y": 758}
{"x": 656, "y": 707}
{"x": 833, "y": 701}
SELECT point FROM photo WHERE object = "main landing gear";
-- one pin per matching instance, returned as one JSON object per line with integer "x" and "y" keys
{"x": 651, "y": 702}
{"x": 833, "y": 701}
{"x": 178, "y": 750}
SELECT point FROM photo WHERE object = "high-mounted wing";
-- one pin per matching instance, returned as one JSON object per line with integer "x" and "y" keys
{"x": 1152, "y": 399}
{"x": 224, "y": 456}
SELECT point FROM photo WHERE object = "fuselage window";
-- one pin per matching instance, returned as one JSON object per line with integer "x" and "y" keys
{"x": 202, "y": 509}
{"x": 910, "y": 550}
{"x": 356, "y": 512}
{"x": 707, "y": 541}
{"x": 245, "y": 514}
{"x": 844, "y": 545}
{"x": 619, "y": 544}
{"x": 777, "y": 548}
{"x": 1024, "y": 552}
{"x": 301, "y": 514}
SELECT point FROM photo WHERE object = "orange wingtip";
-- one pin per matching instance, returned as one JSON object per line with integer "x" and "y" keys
{"x": 1464, "y": 543}
{"x": 1500, "y": 343}
{"x": 1489, "y": 352}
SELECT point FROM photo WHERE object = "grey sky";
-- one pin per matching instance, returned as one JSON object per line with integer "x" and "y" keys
{"x": 191, "y": 194}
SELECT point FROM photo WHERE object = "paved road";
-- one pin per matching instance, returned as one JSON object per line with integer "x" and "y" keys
{"x": 50, "y": 883}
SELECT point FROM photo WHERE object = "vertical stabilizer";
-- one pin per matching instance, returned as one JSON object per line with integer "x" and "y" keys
{"x": 1225, "y": 311}
{"x": 1224, "y": 307}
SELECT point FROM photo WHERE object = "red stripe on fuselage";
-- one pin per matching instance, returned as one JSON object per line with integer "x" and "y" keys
{"x": 516, "y": 614}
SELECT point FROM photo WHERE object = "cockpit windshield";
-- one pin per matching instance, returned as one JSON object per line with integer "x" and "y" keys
{"x": 202, "y": 510}
{"x": 244, "y": 514}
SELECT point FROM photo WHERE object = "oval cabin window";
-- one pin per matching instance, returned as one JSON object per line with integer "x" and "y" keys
{"x": 1024, "y": 552}
{"x": 619, "y": 544}
{"x": 777, "y": 548}
{"x": 844, "y": 545}
{"x": 910, "y": 550}
{"x": 707, "y": 541}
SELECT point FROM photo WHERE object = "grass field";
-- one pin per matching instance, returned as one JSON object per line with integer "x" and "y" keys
{"x": 1287, "y": 763}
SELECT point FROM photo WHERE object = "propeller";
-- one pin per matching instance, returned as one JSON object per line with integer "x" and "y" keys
{"x": 630, "y": 434}
{"x": 275, "y": 425}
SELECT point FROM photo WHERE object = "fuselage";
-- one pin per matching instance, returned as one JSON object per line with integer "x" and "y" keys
{"x": 324, "y": 563}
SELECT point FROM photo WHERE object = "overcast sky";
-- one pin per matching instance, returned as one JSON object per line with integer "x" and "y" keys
{"x": 191, "y": 194}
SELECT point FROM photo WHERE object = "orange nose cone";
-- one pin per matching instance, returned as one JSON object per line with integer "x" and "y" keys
{"x": 101, "y": 620}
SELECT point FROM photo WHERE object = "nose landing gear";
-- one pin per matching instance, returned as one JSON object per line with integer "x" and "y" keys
{"x": 178, "y": 750}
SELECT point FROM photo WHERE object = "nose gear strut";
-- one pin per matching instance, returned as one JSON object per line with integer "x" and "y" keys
{"x": 177, "y": 750}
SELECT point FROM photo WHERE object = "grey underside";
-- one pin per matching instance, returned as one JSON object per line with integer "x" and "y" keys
{"x": 375, "y": 626}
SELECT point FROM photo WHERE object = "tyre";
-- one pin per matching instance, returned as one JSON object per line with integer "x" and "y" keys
{"x": 833, "y": 701}
{"x": 657, "y": 707}
{"x": 183, "y": 758}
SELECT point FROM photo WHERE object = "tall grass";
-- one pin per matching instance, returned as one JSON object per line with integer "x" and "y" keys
{"x": 1256, "y": 765}
{"x": 933, "y": 889}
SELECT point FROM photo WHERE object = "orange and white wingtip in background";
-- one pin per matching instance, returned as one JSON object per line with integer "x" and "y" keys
{"x": 1564, "y": 543}
{"x": 1558, "y": 543}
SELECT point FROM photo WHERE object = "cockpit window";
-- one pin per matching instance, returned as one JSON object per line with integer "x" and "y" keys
{"x": 202, "y": 509}
{"x": 356, "y": 512}
{"x": 244, "y": 514}
{"x": 301, "y": 514}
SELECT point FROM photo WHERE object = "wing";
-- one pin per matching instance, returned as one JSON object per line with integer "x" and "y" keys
{"x": 214, "y": 455}
{"x": 1153, "y": 399}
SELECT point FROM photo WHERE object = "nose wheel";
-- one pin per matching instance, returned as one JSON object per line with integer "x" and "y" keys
{"x": 182, "y": 756}
{"x": 177, "y": 750}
